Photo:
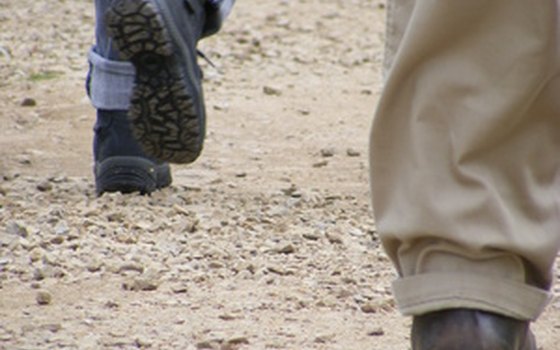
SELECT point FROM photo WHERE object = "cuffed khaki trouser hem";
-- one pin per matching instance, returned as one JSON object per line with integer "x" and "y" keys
{"x": 425, "y": 293}
{"x": 465, "y": 154}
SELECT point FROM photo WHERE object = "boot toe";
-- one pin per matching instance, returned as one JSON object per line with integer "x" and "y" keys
{"x": 464, "y": 329}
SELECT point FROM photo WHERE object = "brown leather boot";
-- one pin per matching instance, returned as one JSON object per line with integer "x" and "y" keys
{"x": 464, "y": 329}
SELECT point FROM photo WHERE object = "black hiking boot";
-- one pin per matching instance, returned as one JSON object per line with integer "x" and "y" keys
{"x": 464, "y": 329}
{"x": 120, "y": 163}
{"x": 159, "y": 37}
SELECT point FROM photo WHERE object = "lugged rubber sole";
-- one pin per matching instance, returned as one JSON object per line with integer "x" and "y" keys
{"x": 166, "y": 113}
{"x": 127, "y": 174}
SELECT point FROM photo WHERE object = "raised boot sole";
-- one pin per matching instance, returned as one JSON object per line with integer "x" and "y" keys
{"x": 166, "y": 108}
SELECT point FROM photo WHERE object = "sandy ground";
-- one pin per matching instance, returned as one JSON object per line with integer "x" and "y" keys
{"x": 266, "y": 242}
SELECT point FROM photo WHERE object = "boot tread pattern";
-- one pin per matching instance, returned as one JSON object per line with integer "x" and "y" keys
{"x": 163, "y": 107}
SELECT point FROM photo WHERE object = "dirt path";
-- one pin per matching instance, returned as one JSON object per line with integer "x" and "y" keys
{"x": 266, "y": 242}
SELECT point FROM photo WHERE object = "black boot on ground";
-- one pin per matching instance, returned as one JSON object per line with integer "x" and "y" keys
{"x": 464, "y": 329}
{"x": 120, "y": 163}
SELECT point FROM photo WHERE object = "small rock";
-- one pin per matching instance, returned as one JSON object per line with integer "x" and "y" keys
{"x": 17, "y": 228}
{"x": 327, "y": 152}
{"x": 140, "y": 285}
{"x": 26, "y": 244}
{"x": 44, "y": 186}
{"x": 131, "y": 267}
{"x": 292, "y": 191}
{"x": 278, "y": 270}
{"x": 179, "y": 210}
{"x": 23, "y": 159}
{"x": 220, "y": 106}
{"x": 349, "y": 280}
{"x": 53, "y": 327}
{"x": 39, "y": 274}
{"x": 320, "y": 164}
{"x": 43, "y": 298}
{"x": 6, "y": 240}
{"x": 50, "y": 259}
{"x": 271, "y": 91}
{"x": 126, "y": 238}
{"x": 57, "y": 240}
{"x": 238, "y": 341}
{"x": 215, "y": 265}
{"x": 111, "y": 304}
{"x": 209, "y": 344}
{"x": 356, "y": 232}
{"x": 35, "y": 255}
{"x": 28, "y": 102}
{"x": 323, "y": 339}
{"x": 116, "y": 217}
{"x": 142, "y": 343}
{"x": 191, "y": 226}
{"x": 286, "y": 249}
{"x": 312, "y": 236}
{"x": 5, "y": 336}
{"x": 116, "y": 332}
{"x": 179, "y": 289}
{"x": 369, "y": 308}
{"x": 57, "y": 272}
{"x": 350, "y": 152}
{"x": 227, "y": 317}
{"x": 61, "y": 228}
{"x": 94, "y": 266}
{"x": 376, "y": 332}
{"x": 334, "y": 238}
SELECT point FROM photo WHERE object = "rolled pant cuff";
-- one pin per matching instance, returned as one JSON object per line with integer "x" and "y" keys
{"x": 110, "y": 82}
{"x": 420, "y": 294}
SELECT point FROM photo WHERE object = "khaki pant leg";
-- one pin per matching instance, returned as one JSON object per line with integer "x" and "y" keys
{"x": 465, "y": 152}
